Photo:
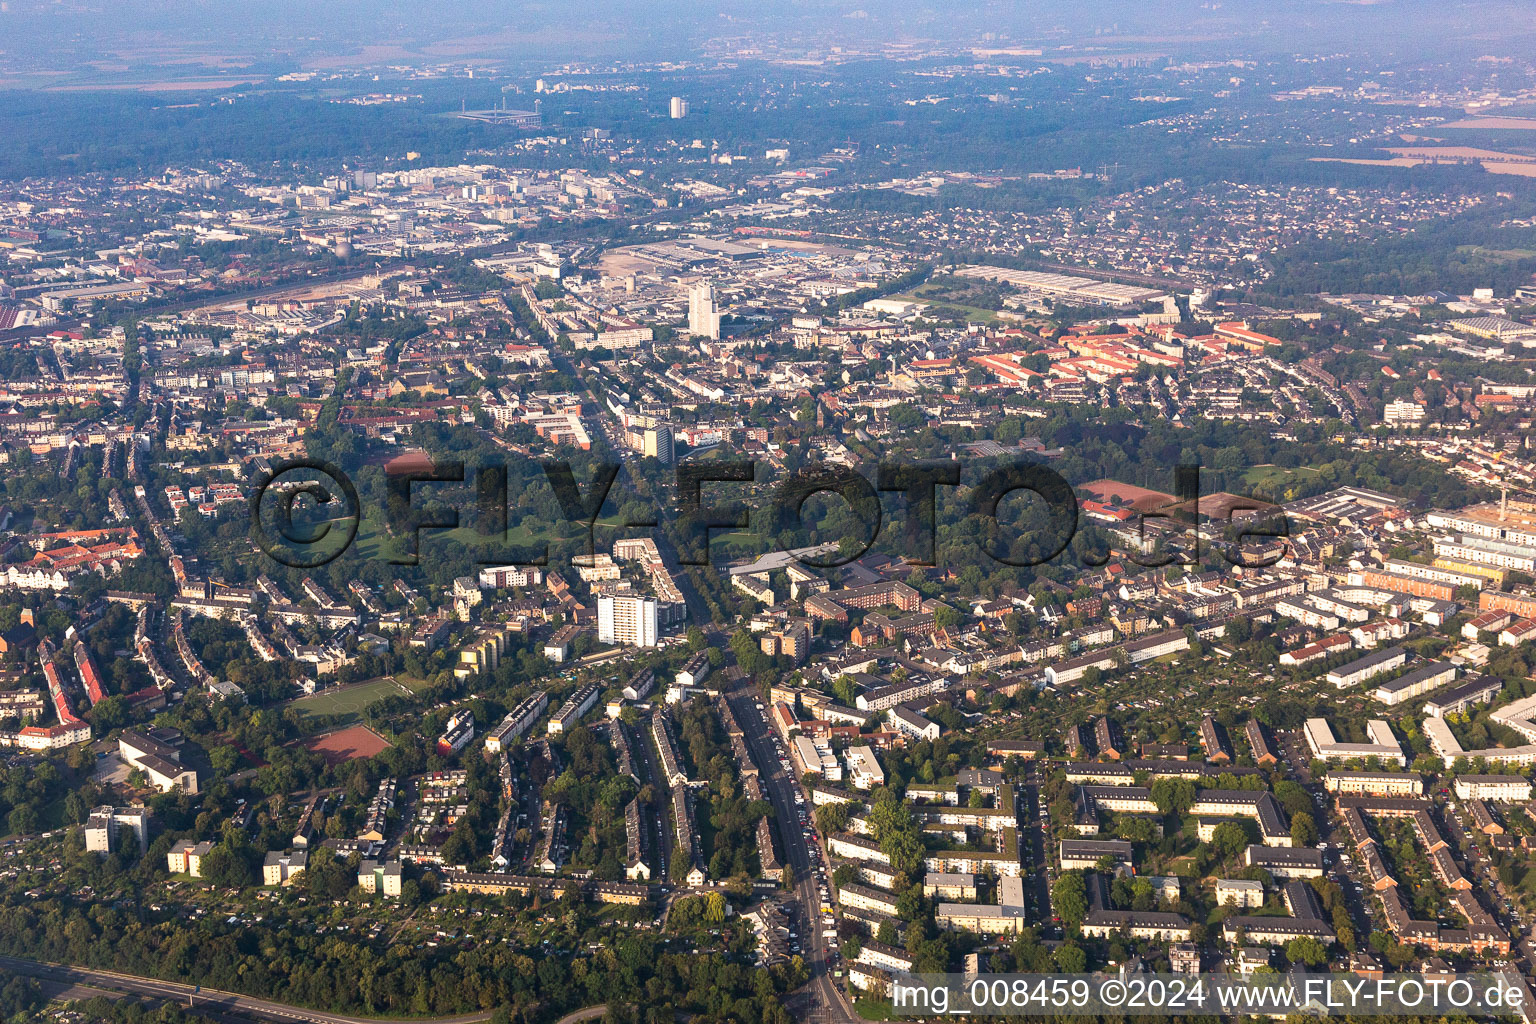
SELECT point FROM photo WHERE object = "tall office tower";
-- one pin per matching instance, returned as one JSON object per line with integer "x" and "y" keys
{"x": 703, "y": 318}
{"x": 679, "y": 107}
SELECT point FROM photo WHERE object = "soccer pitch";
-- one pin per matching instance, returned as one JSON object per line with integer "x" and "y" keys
{"x": 350, "y": 701}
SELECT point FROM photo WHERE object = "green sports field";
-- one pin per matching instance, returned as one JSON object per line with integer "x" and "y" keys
{"x": 351, "y": 701}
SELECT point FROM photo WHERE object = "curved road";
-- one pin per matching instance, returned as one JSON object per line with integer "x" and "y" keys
{"x": 213, "y": 1000}
{"x": 590, "y": 1013}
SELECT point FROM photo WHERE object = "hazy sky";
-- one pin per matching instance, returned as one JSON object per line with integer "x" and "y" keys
{"x": 35, "y": 30}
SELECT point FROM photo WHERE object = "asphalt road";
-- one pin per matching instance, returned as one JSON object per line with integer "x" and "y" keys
{"x": 212, "y": 1000}
{"x": 1296, "y": 767}
{"x": 1033, "y": 854}
{"x": 828, "y": 1003}
{"x": 658, "y": 824}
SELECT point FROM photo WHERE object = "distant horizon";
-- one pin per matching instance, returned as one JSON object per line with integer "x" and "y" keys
{"x": 212, "y": 36}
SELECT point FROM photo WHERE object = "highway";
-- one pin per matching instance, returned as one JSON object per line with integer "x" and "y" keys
{"x": 827, "y": 1002}
{"x": 212, "y": 1001}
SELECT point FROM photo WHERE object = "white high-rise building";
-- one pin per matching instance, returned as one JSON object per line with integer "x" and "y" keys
{"x": 657, "y": 443}
{"x": 627, "y": 619}
{"x": 679, "y": 108}
{"x": 703, "y": 317}
{"x": 106, "y": 824}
